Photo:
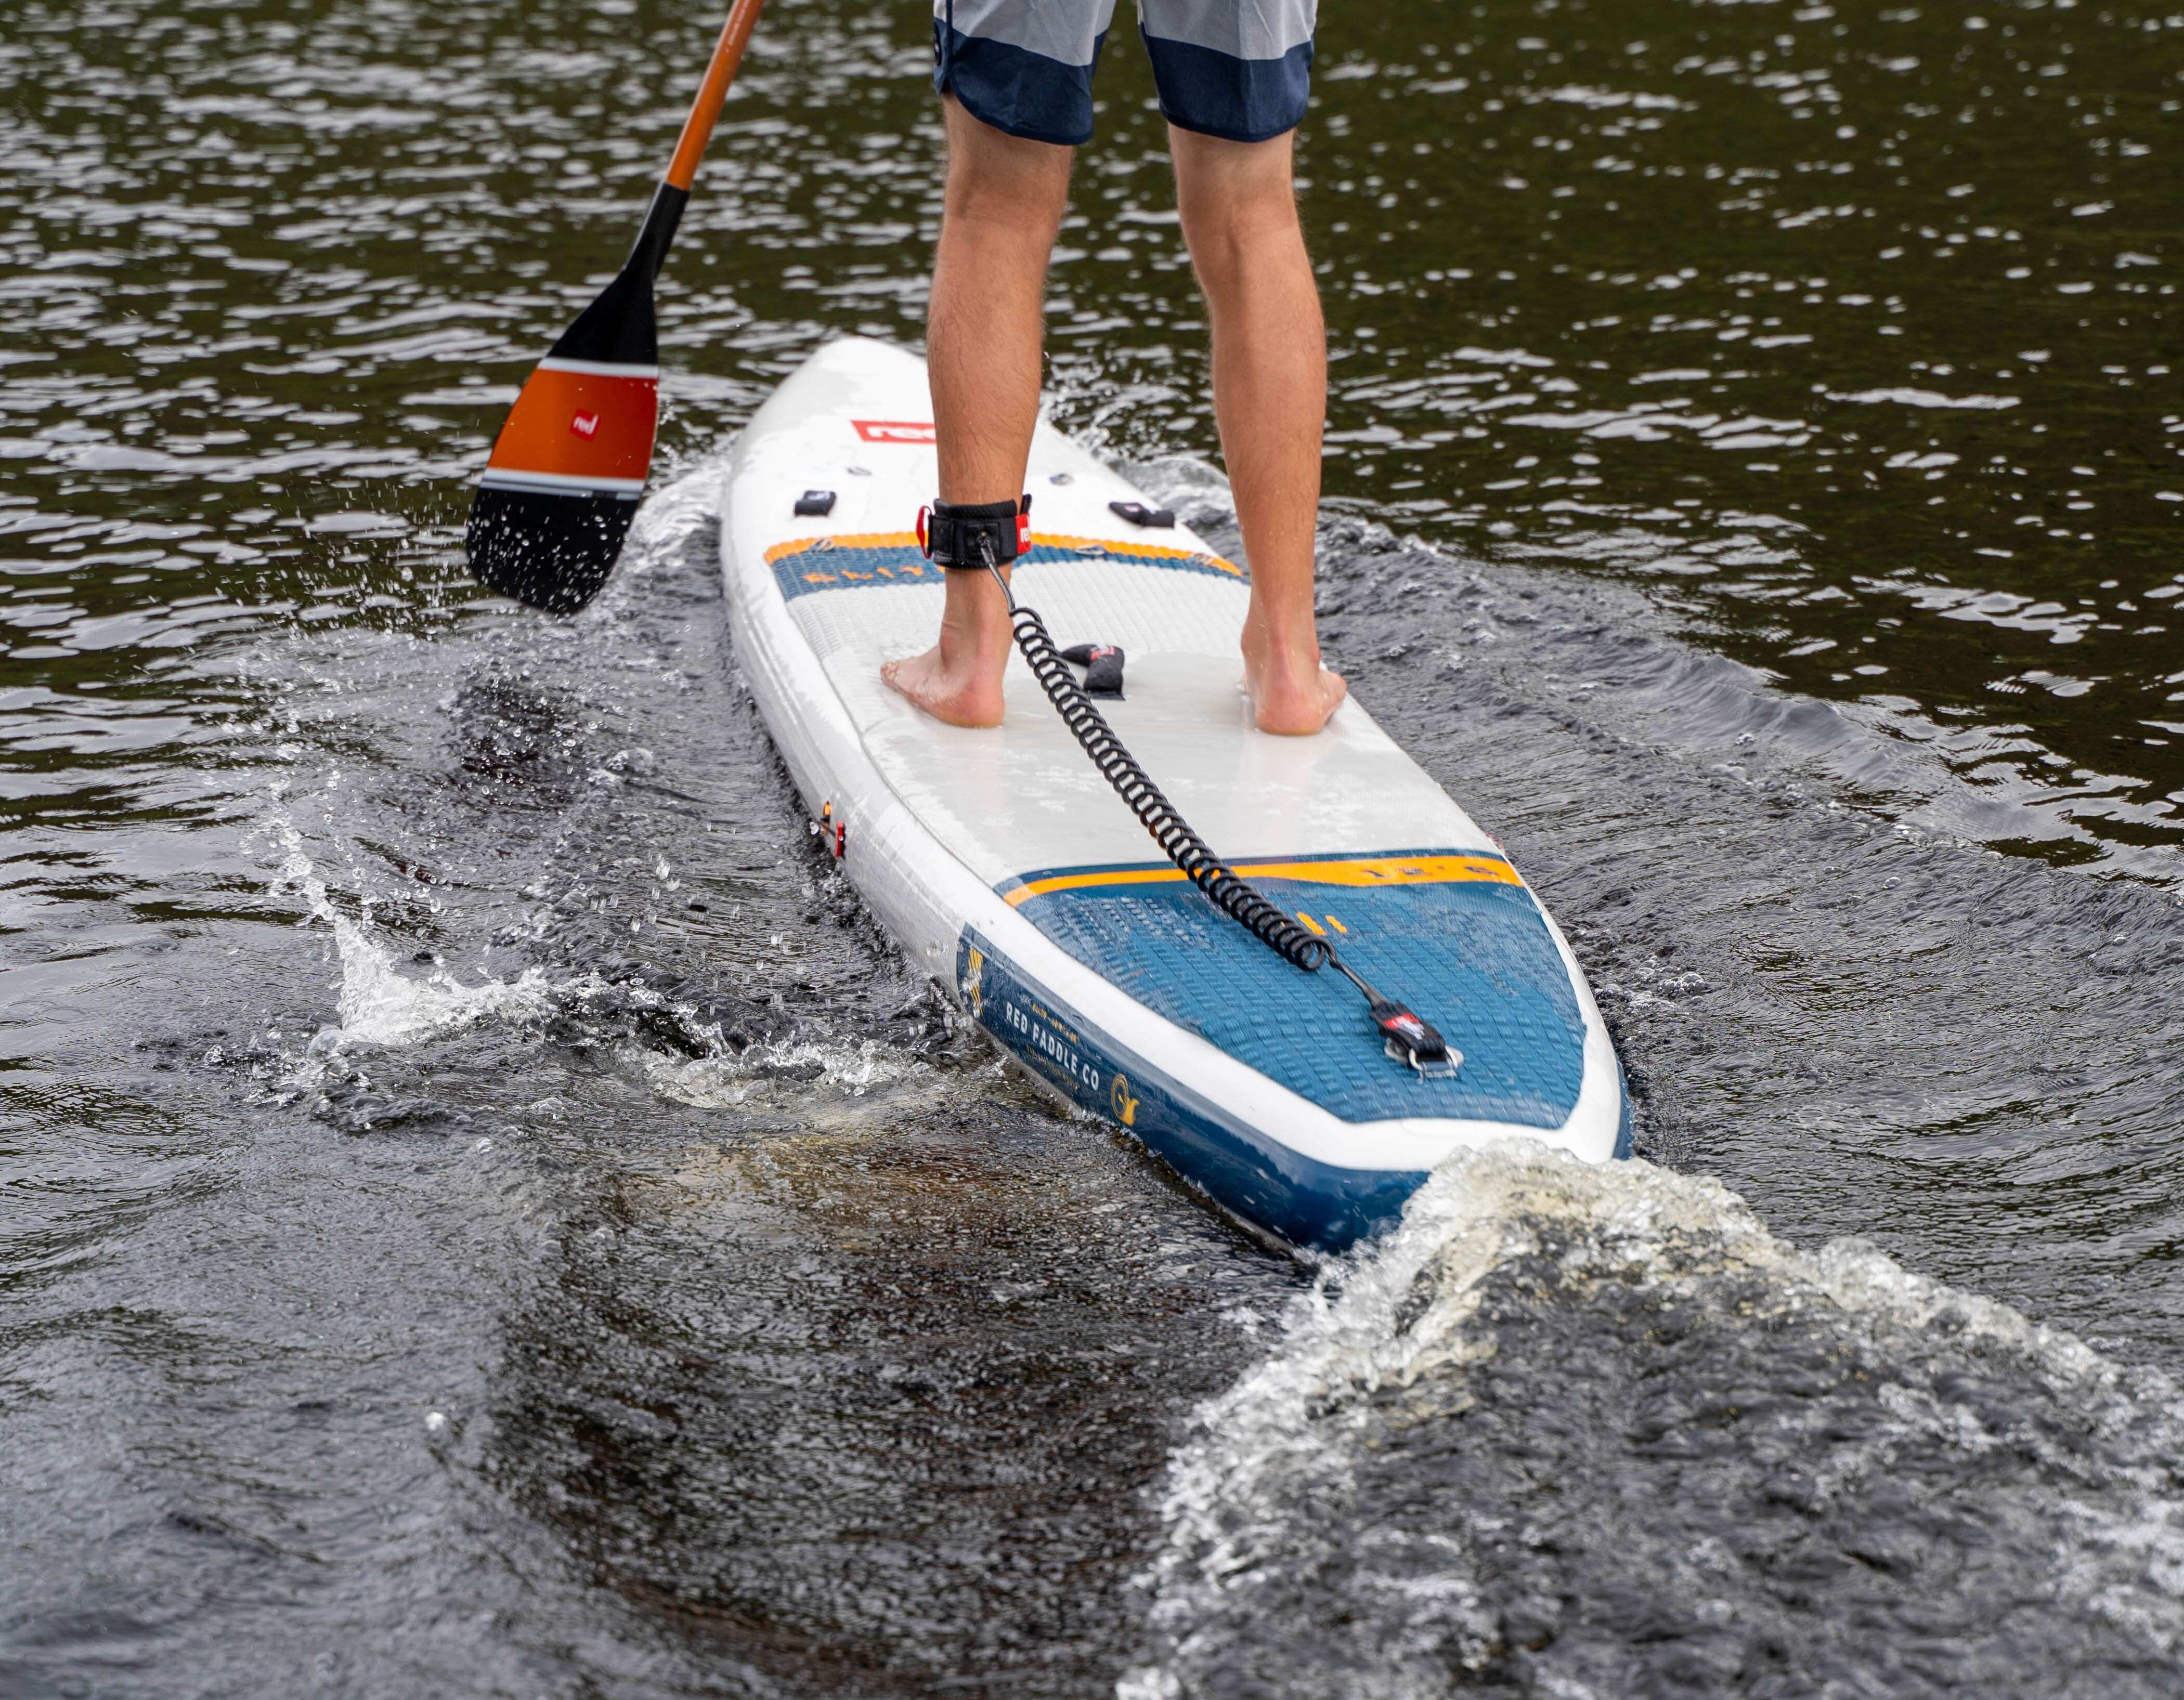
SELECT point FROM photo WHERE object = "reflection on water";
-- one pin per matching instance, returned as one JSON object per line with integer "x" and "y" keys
{"x": 1848, "y": 330}
{"x": 487, "y": 1212}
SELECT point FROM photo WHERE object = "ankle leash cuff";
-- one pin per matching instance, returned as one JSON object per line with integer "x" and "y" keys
{"x": 971, "y": 536}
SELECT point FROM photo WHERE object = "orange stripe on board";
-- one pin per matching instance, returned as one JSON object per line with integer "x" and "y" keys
{"x": 847, "y": 540}
{"x": 1366, "y": 870}
{"x": 1039, "y": 540}
{"x": 1150, "y": 551}
{"x": 905, "y": 572}
{"x": 580, "y": 425}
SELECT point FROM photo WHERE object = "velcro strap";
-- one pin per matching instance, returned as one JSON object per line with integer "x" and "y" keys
{"x": 969, "y": 535}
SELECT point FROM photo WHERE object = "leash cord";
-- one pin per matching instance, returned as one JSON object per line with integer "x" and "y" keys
{"x": 1409, "y": 1038}
{"x": 1242, "y": 902}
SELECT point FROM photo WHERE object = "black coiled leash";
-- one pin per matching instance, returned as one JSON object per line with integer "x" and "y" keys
{"x": 975, "y": 536}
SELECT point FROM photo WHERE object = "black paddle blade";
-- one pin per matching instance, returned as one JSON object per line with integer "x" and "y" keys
{"x": 554, "y": 550}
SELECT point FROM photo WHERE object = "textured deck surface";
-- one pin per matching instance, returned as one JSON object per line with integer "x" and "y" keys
{"x": 1471, "y": 954}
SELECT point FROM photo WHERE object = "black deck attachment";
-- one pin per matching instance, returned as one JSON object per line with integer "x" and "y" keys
{"x": 1103, "y": 667}
{"x": 1138, "y": 514}
{"x": 1413, "y": 1040}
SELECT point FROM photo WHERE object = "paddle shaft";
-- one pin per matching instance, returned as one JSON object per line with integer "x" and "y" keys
{"x": 673, "y": 194}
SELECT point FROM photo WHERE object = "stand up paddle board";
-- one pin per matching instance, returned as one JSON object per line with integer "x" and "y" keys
{"x": 1010, "y": 872}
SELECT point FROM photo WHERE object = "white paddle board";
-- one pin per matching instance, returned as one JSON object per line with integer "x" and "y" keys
{"x": 1009, "y": 871}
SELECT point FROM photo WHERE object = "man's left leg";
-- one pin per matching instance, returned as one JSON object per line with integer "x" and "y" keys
{"x": 1239, "y": 216}
{"x": 984, "y": 334}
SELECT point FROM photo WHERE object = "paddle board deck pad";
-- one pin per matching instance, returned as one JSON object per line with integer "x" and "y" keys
{"x": 1009, "y": 871}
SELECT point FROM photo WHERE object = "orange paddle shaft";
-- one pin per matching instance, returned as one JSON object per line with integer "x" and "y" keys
{"x": 712, "y": 93}
{"x": 673, "y": 194}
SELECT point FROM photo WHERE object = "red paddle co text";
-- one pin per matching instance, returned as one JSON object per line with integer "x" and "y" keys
{"x": 895, "y": 430}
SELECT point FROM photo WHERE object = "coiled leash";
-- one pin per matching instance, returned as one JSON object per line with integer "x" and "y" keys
{"x": 978, "y": 536}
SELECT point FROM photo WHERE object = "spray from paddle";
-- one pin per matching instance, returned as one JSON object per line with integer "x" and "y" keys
{"x": 558, "y": 495}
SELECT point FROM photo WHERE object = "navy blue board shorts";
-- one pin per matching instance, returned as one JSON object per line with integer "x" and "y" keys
{"x": 1236, "y": 69}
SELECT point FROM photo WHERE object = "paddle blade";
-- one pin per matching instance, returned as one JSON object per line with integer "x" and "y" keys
{"x": 553, "y": 549}
{"x": 559, "y": 493}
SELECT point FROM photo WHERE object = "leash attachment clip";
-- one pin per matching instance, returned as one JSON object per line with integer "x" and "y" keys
{"x": 1414, "y": 1040}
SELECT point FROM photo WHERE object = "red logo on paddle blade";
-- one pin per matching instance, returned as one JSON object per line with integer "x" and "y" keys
{"x": 895, "y": 430}
{"x": 585, "y": 425}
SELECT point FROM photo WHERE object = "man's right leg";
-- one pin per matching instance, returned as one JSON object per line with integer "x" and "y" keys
{"x": 984, "y": 332}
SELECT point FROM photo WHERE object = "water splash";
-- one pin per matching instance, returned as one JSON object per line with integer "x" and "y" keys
{"x": 379, "y": 1005}
{"x": 1577, "y": 1430}
{"x": 803, "y": 1066}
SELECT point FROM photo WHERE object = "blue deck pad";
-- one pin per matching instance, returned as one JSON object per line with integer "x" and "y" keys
{"x": 1472, "y": 955}
{"x": 872, "y": 562}
{"x": 1307, "y": 1202}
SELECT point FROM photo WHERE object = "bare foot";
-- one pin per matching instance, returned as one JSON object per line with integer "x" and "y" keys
{"x": 1291, "y": 693}
{"x": 959, "y": 679}
{"x": 956, "y": 695}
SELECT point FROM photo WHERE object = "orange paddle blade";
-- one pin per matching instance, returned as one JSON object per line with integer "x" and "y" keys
{"x": 580, "y": 422}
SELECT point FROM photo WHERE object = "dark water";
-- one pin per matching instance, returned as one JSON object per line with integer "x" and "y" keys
{"x": 485, "y": 1212}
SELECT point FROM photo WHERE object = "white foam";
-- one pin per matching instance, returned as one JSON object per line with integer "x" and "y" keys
{"x": 377, "y": 1005}
{"x": 729, "y": 1082}
{"x": 1285, "y": 1436}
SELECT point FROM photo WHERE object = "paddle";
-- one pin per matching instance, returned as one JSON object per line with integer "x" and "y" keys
{"x": 558, "y": 495}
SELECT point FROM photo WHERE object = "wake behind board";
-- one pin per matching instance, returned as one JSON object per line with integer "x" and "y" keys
{"x": 1009, "y": 871}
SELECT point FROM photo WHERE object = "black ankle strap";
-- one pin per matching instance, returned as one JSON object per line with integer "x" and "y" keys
{"x": 971, "y": 536}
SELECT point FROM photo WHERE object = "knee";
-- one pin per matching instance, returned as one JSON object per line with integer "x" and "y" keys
{"x": 1004, "y": 206}
{"x": 1231, "y": 228}
{"x": 1237, "y": 201}
{"x": 1000, "y": 180}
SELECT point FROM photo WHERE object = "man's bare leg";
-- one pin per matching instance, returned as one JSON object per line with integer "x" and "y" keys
{"x": 1239, "y": 204}
{"x": 984, "y": 334}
